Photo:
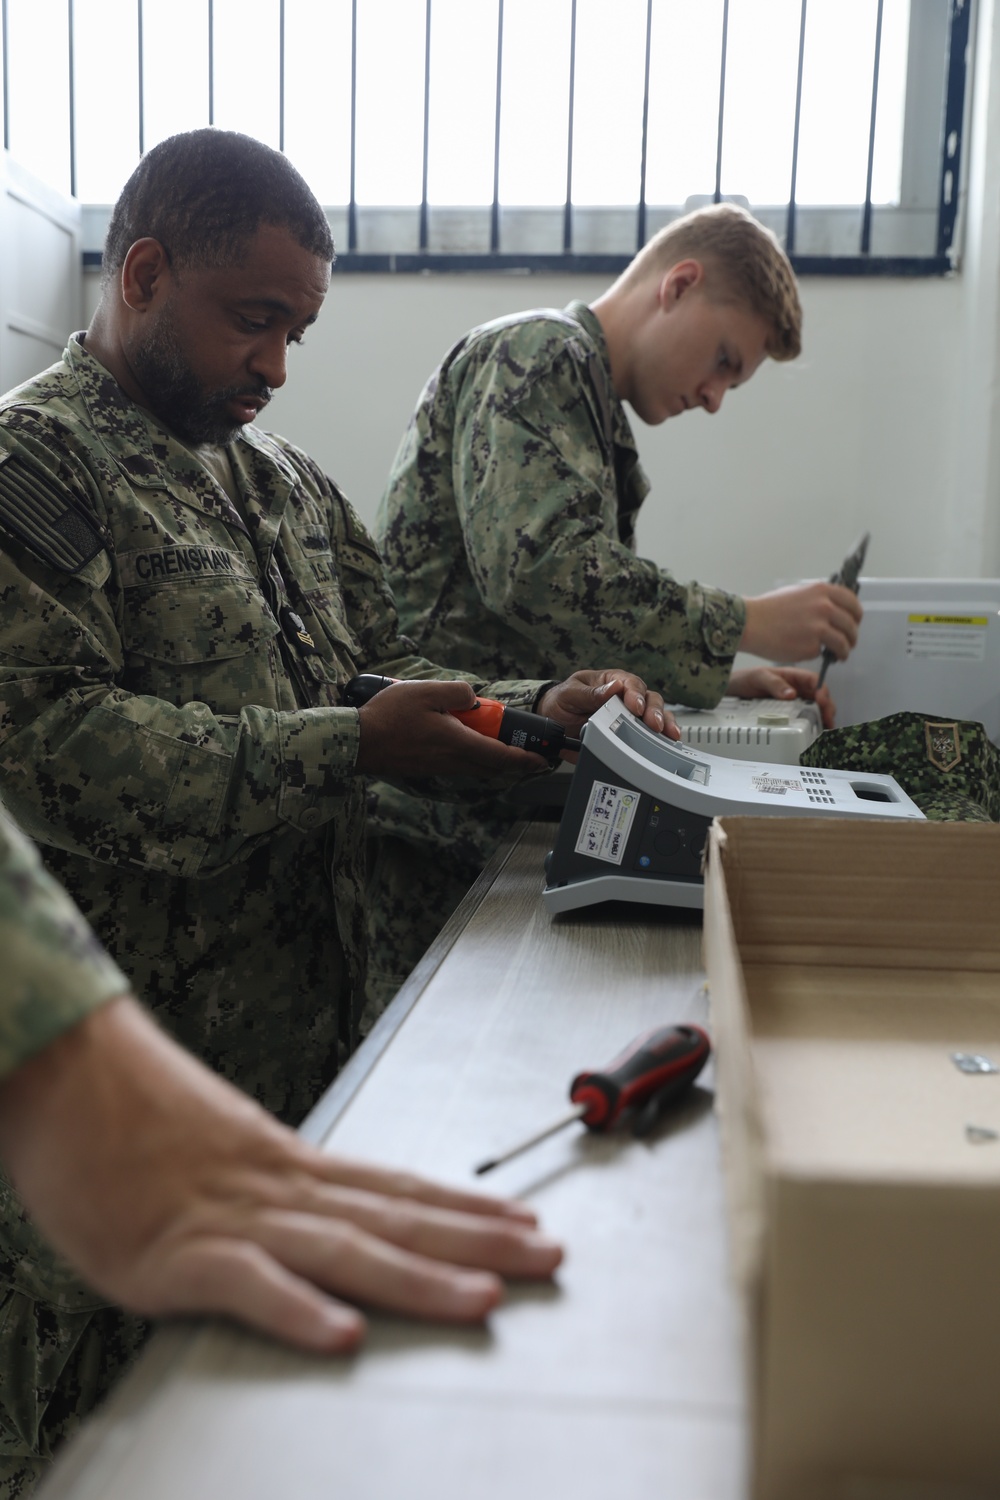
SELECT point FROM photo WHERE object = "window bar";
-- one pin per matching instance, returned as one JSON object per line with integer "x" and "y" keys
{"x": 211, "y": 63}
{"x": 568, "y": 210}
{"x": 6, "y": 79}
{"x": 954, "y": 110}
{"x": 427, "y": 120}
{"x": 866, "y": 218}
{"x": 352, "y": 207}
{"x": 641, "y": 220}
{"x": 141, "y": 70}
{"x": 722, "y": 102}
{"x": 790, "y": 224}
{"x": 71, "y": 51}
{"x": 495, "y": 209}
{"x": 281, "y": 75}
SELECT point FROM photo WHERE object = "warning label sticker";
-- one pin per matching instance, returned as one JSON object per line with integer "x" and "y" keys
{"x": 606, "y": 823}
{"x": 946, "y": 637}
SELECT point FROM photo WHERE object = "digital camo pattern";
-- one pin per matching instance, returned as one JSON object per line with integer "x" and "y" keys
{"x": 949, "y": 768}
{"x": 507, "y": 531}
{"x": 176, "y": 745}
{"x": 54, "y": 971}
{"x": 508, "y": 523}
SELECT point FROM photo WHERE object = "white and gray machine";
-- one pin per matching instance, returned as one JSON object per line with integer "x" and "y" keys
{"x": 931, "y": 645}
{"x": 639, "y": 808}
{"x": 770, "y": 729}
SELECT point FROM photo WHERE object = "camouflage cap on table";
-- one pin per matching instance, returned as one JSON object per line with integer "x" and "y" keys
{"x": 949, "y": 767}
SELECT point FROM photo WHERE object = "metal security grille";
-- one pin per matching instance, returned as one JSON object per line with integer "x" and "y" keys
{"x": 916, "y": 234}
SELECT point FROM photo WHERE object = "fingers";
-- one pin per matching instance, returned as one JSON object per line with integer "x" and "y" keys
{"x": 845, "y": 616}
{"x": 354, "y": 1264}
{"x": 409, "y": 729}
{"x": 798, "y": 622}
{"x": 395, "y": 1183}
{"x": 279, "y": 1284}
{"x": 848, "y": 601}
{"x": 491, "y": 1242}
{"x": 472, "y": 1240}
{"x": 272, "y": 1268}
{"x": 827, "y": 707}
{"x": 243, "y": 1281}
{"x": 773, "y": 685}
{"x": 572, "y": 702}
{"x": 277, "y": 1280}
{"x": 764, "y": 682}
{"x": 644, "y": 702}
{"x": 785, "y": 682}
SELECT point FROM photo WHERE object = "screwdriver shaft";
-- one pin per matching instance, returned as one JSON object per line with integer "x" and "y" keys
{"x": 576, "y": 1113}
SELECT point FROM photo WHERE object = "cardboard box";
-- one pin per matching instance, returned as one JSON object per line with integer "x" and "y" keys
{"x": 847, "y": 962}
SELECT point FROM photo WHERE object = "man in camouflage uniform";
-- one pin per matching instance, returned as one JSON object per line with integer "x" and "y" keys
{"x": 172, "y": 1192}
{"x": 508, "y": 524}
{"x": 183, "y": 599}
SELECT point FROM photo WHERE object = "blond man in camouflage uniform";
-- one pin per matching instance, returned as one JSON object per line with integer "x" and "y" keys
{"x": 508, "y": 523}
{"x": 171, "y": 1192}
{"x": 184, "y": 597}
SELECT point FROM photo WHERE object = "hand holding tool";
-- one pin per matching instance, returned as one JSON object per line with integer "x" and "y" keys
{"x": 848, "y": 576}
{"x": 498, "y": 721}
{"x": 654, "y": 1068}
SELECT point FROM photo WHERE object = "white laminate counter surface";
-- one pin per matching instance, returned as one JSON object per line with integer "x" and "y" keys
{"x": 624, "y": 1377}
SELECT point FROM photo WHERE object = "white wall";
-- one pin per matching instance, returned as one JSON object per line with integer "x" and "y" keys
{"x": 889, "y": 422}
{"x": 855, "y": 435}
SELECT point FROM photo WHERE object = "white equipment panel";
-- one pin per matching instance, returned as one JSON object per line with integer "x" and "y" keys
{"x": 930, "y": 646}
{"x": 763, "y": 729}
{"x": 639, "y": 808}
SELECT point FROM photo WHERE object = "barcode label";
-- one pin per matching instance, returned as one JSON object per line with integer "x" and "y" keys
{"x": 776, "y": 786}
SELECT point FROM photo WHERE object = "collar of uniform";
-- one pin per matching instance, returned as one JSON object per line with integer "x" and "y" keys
{"x": 266, "y": 479}
{"x": 590, "y": 323}
{"x": 153, "y": 458}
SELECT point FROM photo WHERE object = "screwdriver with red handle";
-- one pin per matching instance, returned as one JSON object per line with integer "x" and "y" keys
{"x": 498, "y": 721}
{"x": 653, "y": 1070}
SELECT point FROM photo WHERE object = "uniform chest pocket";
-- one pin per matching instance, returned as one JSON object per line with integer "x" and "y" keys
{"x": 311, "y": 557}
{"x": 210, "y": 640}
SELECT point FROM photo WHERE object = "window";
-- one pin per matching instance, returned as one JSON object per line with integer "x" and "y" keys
{"x": 527, "y": 131}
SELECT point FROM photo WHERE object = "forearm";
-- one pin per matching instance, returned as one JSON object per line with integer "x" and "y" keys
{"x": 582, "y": 598}
{"x": 133, "y": 779}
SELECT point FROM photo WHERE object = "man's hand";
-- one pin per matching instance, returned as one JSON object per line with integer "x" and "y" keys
{"x": 172, "y": 1192}
{"x": 796, "y": 623}
{"x": 571, "y": 703}
{"x": 408, "y": 729}
{"x": 783, "y": 682}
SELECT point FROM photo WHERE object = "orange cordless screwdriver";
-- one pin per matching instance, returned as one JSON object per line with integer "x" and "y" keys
{"x": 652, "y": 1071}
{"x": 498, "y": 721}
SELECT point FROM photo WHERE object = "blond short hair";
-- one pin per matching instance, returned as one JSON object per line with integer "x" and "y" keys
{"x": 743, "y": 261}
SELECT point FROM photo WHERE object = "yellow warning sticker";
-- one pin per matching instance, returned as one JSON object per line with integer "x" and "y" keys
{"x": 975, "y": 620}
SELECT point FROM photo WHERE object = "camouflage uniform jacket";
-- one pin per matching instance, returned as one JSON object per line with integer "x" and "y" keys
{"x": 508, "y": 524}
{"x": 507, "y": 530}
{"x": 170, "y": 719}
{"x": 55, "y": 971}
{"x": 171, "y": 730}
